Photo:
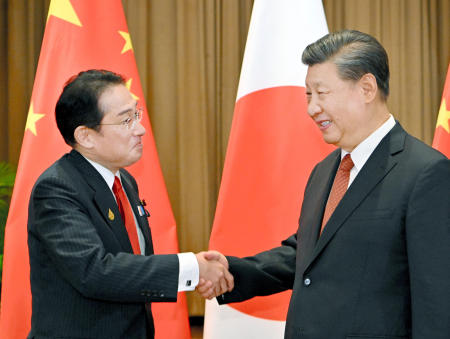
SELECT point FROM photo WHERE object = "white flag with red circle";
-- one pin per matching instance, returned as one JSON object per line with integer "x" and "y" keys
{"x": 272, "y": 149}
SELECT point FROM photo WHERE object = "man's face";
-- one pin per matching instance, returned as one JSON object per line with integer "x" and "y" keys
{"x": 337, "y": 106}
{"x": 115, "y": 146}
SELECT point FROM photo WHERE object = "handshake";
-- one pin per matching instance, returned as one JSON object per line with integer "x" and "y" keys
{"x": 215, "y": 279}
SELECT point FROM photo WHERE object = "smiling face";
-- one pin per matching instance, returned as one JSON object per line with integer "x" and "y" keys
{"x": 338, "y": 107}
{"x": 114, "y": 146}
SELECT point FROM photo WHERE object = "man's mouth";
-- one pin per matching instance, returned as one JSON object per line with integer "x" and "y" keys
{"x": 323, "y": 124}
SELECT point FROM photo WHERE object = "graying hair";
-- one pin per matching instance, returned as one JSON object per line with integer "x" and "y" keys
{"x": 354, "y": 53}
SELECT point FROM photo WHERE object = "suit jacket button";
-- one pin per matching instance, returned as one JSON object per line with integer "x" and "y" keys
{"x": 307, "y": 282}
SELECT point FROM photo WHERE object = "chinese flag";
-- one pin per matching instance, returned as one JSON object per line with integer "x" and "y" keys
{"x": 273, "y": 147}
{"x": 80, "y": 35}
{"x": 441, "y": 139}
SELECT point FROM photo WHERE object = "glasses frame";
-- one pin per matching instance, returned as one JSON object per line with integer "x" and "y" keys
{"x": 130, "y": 122}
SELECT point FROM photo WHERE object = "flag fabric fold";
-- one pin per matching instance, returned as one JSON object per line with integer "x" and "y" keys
{"x": 441, "y": 139}
{"x": 80, "y": 35}
{"x": 272, "y": 149}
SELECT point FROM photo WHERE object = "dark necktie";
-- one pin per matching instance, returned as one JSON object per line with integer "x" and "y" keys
{"x": 127, "y": 215}
{"x": 338, "y": 189}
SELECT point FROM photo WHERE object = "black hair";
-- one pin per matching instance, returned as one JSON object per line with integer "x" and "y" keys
{"x": 78, "y": 103}
{"x": 354, "y": 53}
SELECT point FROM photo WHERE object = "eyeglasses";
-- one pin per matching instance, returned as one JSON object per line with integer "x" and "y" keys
{"x": 131, "y": 121}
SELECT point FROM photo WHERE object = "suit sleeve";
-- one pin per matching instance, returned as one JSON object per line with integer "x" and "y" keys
{"x": 428, "y": 245}
{"x": 60, "y": 223}
{"x": 265, "y": 273}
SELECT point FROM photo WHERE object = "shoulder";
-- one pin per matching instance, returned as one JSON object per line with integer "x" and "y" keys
{"x": 59, "y": 170}
{"x": 422, "y": 151}
{"x": 420, "y": 166}
{"x": 418, "y": 157}
{"x": 400, "y": 142}
{"x": 62, "y": 175}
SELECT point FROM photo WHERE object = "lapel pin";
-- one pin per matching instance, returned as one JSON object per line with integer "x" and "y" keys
{"x": 110, "y": 215}
{"x": 141, "y": 210}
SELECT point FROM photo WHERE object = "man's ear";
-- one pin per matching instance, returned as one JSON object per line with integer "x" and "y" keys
{"x": 369, "y": 87}
{"x": 83, "y": 136}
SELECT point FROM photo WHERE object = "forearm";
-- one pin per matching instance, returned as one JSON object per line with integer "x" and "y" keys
{"x": 266, "y": 273}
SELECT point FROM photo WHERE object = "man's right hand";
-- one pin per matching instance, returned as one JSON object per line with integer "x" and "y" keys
{"x": 215, "y": 279}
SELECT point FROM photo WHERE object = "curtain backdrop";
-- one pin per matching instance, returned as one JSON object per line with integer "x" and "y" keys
{"x": 189, "y": 54}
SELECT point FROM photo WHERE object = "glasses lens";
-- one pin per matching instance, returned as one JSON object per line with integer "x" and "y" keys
{"x": 138, "y": 114}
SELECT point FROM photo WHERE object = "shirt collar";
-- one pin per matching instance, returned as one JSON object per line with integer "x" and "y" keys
{"x": 106, "y": 174}
{"x": 364, "y": 150}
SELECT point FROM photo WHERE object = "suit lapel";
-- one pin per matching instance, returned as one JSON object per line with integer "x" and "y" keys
{"x": 379, "y": 164}
{"x": 103, "y": 199}
{"x": 322, "y": 187}
{"x": 313, "y": 209}
{"x": 142, "y": 220}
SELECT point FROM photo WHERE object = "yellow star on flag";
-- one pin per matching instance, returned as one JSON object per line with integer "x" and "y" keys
{"x": 31, "y": 120}
{"x": 127, "y": 38}
{"x": 443, "y": 117}
{"x": 63, "y": 9}
{"x": 128, "y": 85}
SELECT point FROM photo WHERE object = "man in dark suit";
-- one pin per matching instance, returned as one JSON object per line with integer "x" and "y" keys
{"x": 93, "y": 272}
{"x": 371, "y": 257}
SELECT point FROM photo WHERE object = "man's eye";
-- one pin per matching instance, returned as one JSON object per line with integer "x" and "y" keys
{"x": 126, "y": 122}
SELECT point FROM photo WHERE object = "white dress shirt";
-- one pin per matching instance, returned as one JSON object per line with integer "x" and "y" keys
{"x": 364, "y": 150}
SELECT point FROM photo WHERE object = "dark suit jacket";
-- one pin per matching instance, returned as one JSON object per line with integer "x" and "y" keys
{"x": 381, "y": 268}
{"x": 85, "y": 281}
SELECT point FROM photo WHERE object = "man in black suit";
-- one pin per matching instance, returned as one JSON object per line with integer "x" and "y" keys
{"x": 371, "y": 257}
{"x": 93, "y": 271}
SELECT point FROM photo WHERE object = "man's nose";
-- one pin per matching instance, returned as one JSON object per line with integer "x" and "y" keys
{"x": 139, "y": 129}
{"x": 313, "y": 107}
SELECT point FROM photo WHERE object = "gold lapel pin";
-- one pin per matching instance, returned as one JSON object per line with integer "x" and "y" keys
{"x": 111, "y": 215}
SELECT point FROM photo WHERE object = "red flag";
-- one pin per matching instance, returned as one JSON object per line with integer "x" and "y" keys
{"x": 272, "y": 149}
{"x": 80, "y": 35}
{"x": 441, "y": 139}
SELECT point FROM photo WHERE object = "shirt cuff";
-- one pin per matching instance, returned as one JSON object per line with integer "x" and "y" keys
{"x": 189, "y": 272}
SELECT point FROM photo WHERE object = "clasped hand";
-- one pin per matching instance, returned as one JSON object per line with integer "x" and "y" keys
{"x": 215, "y": 279}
